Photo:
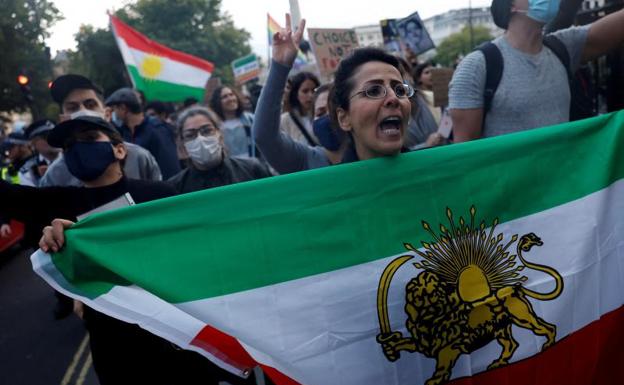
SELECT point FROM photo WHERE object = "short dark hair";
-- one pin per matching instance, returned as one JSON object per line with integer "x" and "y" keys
{"x": 343, "y": 84}
{"x": 501, "y": 12}
{"x": 296, "y": 82}
{"x": 160, "y": 107}
{"x": 215, "y": 101}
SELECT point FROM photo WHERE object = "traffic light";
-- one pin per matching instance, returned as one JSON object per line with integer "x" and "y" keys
{"x": 24, "y": 82}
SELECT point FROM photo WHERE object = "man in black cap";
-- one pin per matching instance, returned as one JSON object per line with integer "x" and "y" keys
{"x": 77, "y": 95}
{"x": 148, "y": 132}
{"x": 94, "y": 152}
{"x": 37, "y": 133}
{"x": 533, "y": 90}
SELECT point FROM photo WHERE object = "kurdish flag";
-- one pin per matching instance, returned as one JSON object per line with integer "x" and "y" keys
{"x": 160, "y": 72}
{"x": 272, "y": 28}
{"x": 499, "y": 261}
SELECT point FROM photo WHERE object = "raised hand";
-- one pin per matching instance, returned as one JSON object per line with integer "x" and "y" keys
{"x": 286, "y": 42}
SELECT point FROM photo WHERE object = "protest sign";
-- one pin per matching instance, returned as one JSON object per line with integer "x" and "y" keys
{"x": 413, "y": 35}
{"x": 246, "y": 68}
{"x": 330, "y": 46}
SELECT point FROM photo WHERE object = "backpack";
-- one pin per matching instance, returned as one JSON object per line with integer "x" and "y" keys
{"x": 582, "y": 93}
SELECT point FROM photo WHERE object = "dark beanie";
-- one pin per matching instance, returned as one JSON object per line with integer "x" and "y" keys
{"x": 501, "y": 12}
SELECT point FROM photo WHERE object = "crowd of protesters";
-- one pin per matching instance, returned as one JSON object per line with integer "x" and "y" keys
{"x": 376, "y": 106}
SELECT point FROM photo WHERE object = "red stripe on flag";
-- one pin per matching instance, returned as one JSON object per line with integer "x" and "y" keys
{"x": 593, "y": 355}
{"x": 229, "y": 350}
{"x": 224, "y": 347}
{"x": 136, "y": 40}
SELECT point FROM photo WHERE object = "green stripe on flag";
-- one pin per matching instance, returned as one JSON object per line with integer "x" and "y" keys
{"x": 244, "y": 60}
{"x": 269, "y": 231}
{"x": 164, "y": 91}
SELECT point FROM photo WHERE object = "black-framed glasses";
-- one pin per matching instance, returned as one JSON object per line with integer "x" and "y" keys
{"x": 205, "y": 130}
{"x": 379, "y": 91}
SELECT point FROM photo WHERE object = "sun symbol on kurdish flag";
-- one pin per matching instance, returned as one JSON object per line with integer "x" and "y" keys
{"x": 151, "y": 66}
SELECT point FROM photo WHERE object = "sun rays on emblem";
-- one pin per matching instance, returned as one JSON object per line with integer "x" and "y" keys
{"x": 474, "y": 259}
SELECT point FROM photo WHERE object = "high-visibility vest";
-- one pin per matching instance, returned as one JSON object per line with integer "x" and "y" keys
{"x": 13, "y": 179}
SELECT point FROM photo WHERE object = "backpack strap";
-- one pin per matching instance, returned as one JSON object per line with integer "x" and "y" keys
{"x": 305, "y": 132}
{"x": 560, "y": 50}
{"x": 493, "y": 73}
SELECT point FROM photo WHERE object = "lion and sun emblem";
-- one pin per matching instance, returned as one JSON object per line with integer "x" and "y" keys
{"x": 468, "y": 293}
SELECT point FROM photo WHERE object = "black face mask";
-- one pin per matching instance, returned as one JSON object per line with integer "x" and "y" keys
{"x": 329, "y": 137}
{"x": 87, "y": 161}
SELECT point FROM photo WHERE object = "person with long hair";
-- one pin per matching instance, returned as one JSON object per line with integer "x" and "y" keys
{"x": 297, "y": 122}
{"x": 238, "y": 136}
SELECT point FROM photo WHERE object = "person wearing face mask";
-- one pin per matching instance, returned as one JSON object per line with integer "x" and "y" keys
{"x": 209, "y": 163}
{"x": 145, "y": 131}
{"x": 334, "y": 140}
{"x": 533, "y": 90}
{"x": 76, "y": 95}
{"x": 94, "y": 153}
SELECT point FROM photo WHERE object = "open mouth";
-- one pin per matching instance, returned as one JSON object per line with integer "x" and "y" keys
{"x": 390, "y": 127}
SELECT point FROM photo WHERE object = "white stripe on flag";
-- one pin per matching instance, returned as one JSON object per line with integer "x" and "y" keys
{"x": 171, "y": 71}
{"x": 298, "y": 322}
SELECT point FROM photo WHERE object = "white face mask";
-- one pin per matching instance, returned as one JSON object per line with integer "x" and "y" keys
{"x": 205, "y": 151}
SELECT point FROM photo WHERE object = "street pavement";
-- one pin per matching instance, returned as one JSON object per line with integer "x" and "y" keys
{"x": 36, "y": 349}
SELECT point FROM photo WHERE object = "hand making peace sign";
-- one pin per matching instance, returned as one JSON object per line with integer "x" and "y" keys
{"x": 286, "y": 42}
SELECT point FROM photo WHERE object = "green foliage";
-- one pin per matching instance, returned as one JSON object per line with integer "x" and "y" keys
{"x": 196, "y": 27}
{"x": 98, "y": 58}
{"x": 23, "y": 27}
{"x": 458, "y": 44}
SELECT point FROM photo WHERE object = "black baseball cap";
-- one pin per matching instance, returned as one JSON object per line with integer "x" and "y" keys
{"x": 501, "y": 12}
{"x": 39, "y": 128}
{"x": 62, "y": 131}
{"x": 63, "y": 85}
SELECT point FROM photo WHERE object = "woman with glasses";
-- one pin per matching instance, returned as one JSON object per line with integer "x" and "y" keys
{"x": 369, "y": 101}
{"x": 210, "y": 164}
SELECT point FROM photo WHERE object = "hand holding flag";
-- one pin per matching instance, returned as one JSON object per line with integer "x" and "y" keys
{"x": 286, "y": 42}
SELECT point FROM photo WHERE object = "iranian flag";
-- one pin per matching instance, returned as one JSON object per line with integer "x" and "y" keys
{"x": 499, "y": 261}
{"x": 160, "y": 72}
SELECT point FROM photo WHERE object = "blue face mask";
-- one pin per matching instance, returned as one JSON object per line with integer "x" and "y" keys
{"x": 116, "y": 120}
{"x": 328, "y": 137}
{"x": 543, "y": 11}
{"x": 87, "y": 161}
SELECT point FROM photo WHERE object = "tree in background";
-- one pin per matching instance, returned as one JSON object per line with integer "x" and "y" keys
{"x": 23, "y": 27}
{"x": 196, "y": 27}
{"x": 458, "y": 44}
{"x": 98, "y": 58}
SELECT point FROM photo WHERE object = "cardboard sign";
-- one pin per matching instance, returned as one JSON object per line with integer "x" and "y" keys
{"x": 245, "y": 69}
{"x": 441, "y": 77}
{"x": 330, "y": 46}
{"x": 414, "y": 36}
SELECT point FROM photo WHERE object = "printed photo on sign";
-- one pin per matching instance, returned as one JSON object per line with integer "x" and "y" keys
{"x": 390, "y": 33}
{"x": 414, "y": 35}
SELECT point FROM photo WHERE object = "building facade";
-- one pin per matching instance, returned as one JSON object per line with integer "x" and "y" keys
{"x": 443, "y": 25}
